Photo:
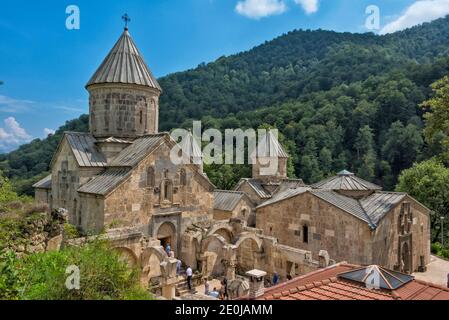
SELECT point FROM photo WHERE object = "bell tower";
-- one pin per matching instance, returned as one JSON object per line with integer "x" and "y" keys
{"x": 123, "y": 94}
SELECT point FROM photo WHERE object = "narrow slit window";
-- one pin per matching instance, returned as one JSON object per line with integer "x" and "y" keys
{"x": 305, "y": 234}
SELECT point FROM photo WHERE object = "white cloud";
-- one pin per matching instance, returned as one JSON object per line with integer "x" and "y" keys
{"x": 309, "y": 6}
{"x": 48, "y": 131}
{"x": 419, "y": 12}
{"x": 12, "y": 135}
{"x": 256, "y": 9}
{"x": 11, "y": 105}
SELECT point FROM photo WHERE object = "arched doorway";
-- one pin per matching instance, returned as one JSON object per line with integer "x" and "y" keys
{"x": 406, "y": 258}
{"x": 167, "y": 235}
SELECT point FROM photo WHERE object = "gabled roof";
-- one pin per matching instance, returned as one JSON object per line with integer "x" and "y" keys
{"x": 143, "y": 146}
{"x": 347, "y": 204}
{"x": 45, "y": 183}
{"x": 119, "y": 169}
{"x": 346, "y": 180}
{"x": 331, "y": 284}
{"x": 284, "y": 195}
{"x": 226, "y": 200}
{"x": 256, "y": 186}
{"x": 378, "y": 204}
{"x": 124, "y": 64}
{"x": 84, "y": 149}
{"x": 105, "y": 182}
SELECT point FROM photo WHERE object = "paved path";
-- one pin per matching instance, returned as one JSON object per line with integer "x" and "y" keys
{"x": 436, "y": 273}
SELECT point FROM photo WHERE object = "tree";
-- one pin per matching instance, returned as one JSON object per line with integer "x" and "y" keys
{"x": 7, "y": 194}
{"x": 366, "y": 156}
{"x": 402, "y": 147}
{"x": 437, "y": 117}
{"x": 428, "y": 182}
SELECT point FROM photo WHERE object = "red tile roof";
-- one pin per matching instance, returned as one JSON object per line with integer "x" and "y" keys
{"x": 324, "y": 284}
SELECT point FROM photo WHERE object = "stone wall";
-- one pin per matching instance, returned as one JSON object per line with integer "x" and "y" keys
{"x": 118, "y": 110}
{"x": 345, "y": 237}
{"x": 67, "y": 177}
{"x": 386, "y": 238}
{"x": 42, "y": 195}
{"x": 40, "y": 232}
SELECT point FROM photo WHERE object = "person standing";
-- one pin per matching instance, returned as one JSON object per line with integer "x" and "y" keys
{"x": 168, "y": 249}
{"x": 206, "y": 287}
{"x": 178, "y": 267}
{"x": 189, "y": 273}
{"x": 225, "y": 288}
{"x": 275, "y": 278}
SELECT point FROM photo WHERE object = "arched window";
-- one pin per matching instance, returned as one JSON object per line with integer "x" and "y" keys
{"x": 140, "y": 116}
{"x": 182, "y": 177}
{"x": 244, "y": 212}
{"x": 150, "y": 177}
{"x": 305, "y": 234}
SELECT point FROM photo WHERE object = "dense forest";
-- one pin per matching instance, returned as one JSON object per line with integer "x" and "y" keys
{"x": 340, "y": 100}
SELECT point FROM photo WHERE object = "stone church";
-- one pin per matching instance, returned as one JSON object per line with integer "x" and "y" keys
{"x": 120, "y": 177}
{"x": 120, "y": 174}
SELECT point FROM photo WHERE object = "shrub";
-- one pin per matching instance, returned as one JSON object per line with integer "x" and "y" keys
{"x": 436, "y": 248}
{"x": 103, "y": 275}
{"x": 9, "y": 276}
{"x": 70, "y": 231}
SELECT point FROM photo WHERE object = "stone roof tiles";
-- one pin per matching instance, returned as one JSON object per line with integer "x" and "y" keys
{"x": 124, "y": 64}
{"x": 44, "y": 183}
{"x": 378, "y": 204}
{"x": 227, "y": 200}
{"x": 284, "y": 195}
{"x": 256, "y": 185}
{"x": 133, "y": 154}
{"x": 105, "y": 182}
{"x": 269, "y": 146}
{"x": 346, "y": 180}
{"x": 84, "y": 149}
{"x": 347, "y": 204}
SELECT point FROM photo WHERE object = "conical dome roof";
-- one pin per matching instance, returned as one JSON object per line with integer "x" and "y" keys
{"x": 124, "y": 64}
{"x": 346, "y": 180}
{"x": 269, "y": 146}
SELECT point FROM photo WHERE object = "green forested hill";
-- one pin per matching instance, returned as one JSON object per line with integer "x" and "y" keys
{"x": 341, "y": 100}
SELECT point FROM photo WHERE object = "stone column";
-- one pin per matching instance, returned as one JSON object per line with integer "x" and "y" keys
{"x": 231, "y": 261}
{"x": 168, "y": 269}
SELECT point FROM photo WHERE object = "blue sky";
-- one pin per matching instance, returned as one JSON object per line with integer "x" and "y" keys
{"x": 45, "y": 66}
